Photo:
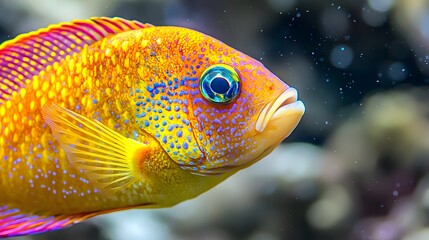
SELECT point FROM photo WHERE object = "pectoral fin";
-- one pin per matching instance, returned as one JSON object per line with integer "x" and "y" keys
{"x": 107, "y": 157}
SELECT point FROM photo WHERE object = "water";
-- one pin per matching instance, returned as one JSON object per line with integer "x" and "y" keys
{"x": 361, "y": 67}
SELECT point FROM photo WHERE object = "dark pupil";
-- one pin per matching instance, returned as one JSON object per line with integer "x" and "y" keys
{"x": 219, "y": 85}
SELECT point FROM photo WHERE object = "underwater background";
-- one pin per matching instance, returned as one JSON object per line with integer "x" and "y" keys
{"x": 357, "y": 165}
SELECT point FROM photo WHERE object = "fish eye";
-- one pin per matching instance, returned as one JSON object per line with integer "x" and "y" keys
{"x": 220, "y": 83}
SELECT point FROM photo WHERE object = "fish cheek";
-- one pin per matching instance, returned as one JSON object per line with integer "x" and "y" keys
{"x": 163, "y": 107}
{"x": 224, "y": 133}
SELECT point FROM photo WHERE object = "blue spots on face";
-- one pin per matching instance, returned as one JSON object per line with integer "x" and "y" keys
{"x": 149, "y": 88}
{"x": 197, "y": 111}
{"x": 197, "y": 101}
{"x": 164, "y": 123}
{"x": 165, "y": 98}
{"x": 194, "y": 93}
{"x": 179, "y": 133}
{"x": 186, "y": 122}
{"x": 171, "y": 127}
{"x": 183, "y": 92}
{"x": 217, "y": 121}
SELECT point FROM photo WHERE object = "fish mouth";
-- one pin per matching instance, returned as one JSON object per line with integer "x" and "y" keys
{"x": 285, "y": 107}
{"x": 276, "y": 122}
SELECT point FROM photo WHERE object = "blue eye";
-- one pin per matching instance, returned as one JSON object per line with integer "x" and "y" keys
{"x": 220, "y": 83}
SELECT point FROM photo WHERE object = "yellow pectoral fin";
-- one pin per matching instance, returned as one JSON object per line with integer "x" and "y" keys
{"x": 105, "y": 156}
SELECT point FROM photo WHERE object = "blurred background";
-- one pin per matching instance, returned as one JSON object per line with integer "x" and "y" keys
{"x": 357, "y": 165}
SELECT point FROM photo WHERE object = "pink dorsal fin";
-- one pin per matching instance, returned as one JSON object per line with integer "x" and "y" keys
{"x": 28, "y": 54}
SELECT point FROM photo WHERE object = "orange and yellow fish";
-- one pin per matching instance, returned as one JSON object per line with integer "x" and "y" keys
{"x": 108, "y": 114}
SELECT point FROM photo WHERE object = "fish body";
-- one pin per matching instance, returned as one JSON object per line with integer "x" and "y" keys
{"x": 107, "y": 114}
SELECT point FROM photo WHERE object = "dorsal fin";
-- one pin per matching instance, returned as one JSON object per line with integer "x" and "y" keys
{"x": 28, "y": 54}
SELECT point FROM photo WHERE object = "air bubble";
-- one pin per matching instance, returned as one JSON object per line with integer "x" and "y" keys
{"x": 381, "y": 5}
{"x": 397, "y": 71}
{"x": 341, "y": 56}
{"x": 372, "y": 17}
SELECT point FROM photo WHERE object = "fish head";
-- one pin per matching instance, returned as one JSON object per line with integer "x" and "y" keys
{"x": 225, "y": 109}
{"x": 242, "y": 112}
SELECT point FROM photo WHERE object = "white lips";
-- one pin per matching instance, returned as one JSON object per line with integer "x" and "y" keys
{"x": 285, "y": 104}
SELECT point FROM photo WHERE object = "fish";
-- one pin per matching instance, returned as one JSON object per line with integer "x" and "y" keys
{"x": 107, "y": 114}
